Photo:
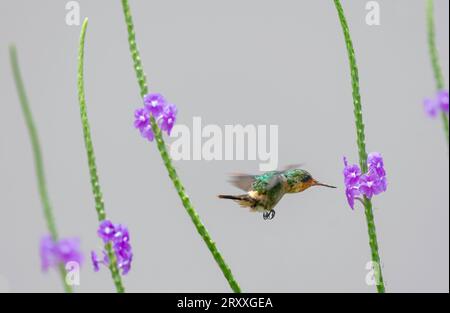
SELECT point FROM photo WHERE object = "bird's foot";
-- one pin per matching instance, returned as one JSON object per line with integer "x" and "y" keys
{"x": 268, "y": 215}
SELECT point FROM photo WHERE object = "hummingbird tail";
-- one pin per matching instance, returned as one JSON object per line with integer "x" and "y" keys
{"x": 230, "y": 197}
{"x": 243, "y": 200}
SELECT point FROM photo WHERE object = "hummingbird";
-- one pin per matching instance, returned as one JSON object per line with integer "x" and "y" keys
{"x": 266, "y": 190}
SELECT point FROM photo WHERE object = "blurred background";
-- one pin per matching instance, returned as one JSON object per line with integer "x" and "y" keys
{"x": 229, "y": 62}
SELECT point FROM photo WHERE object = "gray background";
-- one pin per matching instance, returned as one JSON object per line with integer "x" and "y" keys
{"x": 229, "y": 62}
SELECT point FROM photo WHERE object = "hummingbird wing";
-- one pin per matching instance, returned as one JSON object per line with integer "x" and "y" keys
{"x": 268, "y": 181}
{"x": 242, "y": 181}
{"x": 277, "y": 180}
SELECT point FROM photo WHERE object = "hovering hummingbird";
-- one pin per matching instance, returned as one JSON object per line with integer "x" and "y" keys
{"x": 266, "y": 190}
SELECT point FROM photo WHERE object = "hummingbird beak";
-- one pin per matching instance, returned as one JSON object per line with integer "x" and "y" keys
{"x": 316, "y": 183}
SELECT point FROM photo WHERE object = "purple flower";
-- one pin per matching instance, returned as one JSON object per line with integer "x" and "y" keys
{"x": 376, "y": 164}
{"x": 106, "y": 230}
{"x": 68, "y": 250}
{"x": 168, "y": 118}
{"x": 442, "y": 99}
{"x": 119, "y": 237}
{"x": 142, "y": 122}
{"x": 95, "y": 261}
{"x": 141, "y": 118}
{"x": 352, "y": 173}
{"x": 64, "y": 251}
{"x": 371, "y": 185}
{"x": 351, "y": 193}
{"x": 122, "y": 248}
{"x": 125, "y": 264}
{"x": 431, "y": 107}
{"x": 47, "y": 253}
{"x": 383, "y": 183}
{"x": 164, "y": 114}
{"x": 154, "y": 103}
{"x": 147, "y": 133}
{"x": 438, "y": 104}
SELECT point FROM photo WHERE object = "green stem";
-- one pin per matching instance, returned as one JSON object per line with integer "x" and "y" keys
{"x": 95, "y": 184}
{"x": 434, "y": 56}
{"x": 38, "y": 162}
{"x": 360, "y": 134}
{"x": 167, "y": 160}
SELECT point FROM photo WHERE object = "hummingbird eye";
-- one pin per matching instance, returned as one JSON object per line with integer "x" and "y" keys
{"x": 306, "y": 178}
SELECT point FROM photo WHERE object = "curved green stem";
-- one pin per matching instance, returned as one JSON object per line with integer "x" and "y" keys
{"x": 166, "y": 158}
{"x": 360, "y": 135}
{"x": 37, "y": 154}
{"x": 434, "y": 56}
{"x": 95, "y": 184}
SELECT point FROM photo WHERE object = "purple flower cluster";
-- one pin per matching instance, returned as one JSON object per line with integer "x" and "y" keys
{"x": 438, "y": 104}
{"x": 118, "y": 236}
{"x": 369, "y": 184}
{"x": 155, "y": 105}
{"x": 61, "y": 252}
